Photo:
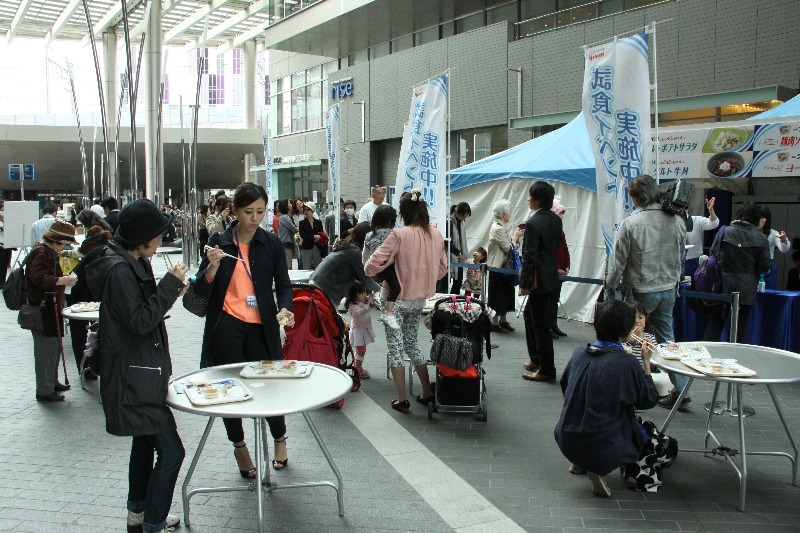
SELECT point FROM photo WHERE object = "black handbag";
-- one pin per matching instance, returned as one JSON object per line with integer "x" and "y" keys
{"x": 452, "y": 351}
{"x": 195, "y": 304}
{"x": 30, "y": 317}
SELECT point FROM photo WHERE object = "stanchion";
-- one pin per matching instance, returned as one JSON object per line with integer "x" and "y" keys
{"x": 723, "y": 406}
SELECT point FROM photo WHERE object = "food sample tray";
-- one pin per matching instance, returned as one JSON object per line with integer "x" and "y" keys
{"x": 677, "y": 352}
{"x": 227, "y": 391}
{"x": 277, "y": 369}
{"x": 719, "y": 367}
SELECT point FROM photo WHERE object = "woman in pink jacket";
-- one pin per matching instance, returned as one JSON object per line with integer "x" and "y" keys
{"x": 417, "y": 251}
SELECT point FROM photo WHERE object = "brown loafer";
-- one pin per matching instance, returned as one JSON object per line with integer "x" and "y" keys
{"x": 531, "y": 366}
{"x": 538, "y": 376}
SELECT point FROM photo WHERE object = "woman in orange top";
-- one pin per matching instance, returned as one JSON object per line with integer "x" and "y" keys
{"x": 242, "y": 320}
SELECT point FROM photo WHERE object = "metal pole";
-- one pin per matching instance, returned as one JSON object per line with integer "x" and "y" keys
{"x": 22, "y": 182}
{"x": 734, "y": 334}
{"x": 655, "y": 100}
{"x": 104, "y": 167}
{"x": 134, "y": 97}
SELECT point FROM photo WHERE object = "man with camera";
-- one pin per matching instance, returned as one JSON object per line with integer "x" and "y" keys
{"x": 647, "y": 261}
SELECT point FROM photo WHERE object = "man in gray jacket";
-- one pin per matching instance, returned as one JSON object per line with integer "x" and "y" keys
{"x": 647, "y": 261}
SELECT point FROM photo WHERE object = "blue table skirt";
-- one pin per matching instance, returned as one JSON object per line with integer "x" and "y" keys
{"x": 773, "y": 322}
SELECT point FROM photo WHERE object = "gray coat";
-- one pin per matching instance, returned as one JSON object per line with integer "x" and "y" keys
{"x": 647, "y": 252}
{"x": 135, "y": 363}
{"x": 339, "y": 270}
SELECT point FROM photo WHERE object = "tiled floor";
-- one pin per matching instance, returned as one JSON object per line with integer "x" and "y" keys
{"x": 63, "y": 473}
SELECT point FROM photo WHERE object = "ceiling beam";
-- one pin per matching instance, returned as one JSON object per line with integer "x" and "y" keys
{"x": 166, "y": 7}
{"x": 112, "y": 17}
{"x": 241, "y": 16}
{"x": 239, "y": 40}
{"x": 193, "y": 19}
{"x": 22, "y": 10}
{"x": 62, "y": 19}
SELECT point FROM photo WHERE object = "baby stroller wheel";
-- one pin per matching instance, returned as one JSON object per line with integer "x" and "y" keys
{"x": 340, "y": 403}
{"x": 430, "y": 411}
{"x": 482, "y": 414}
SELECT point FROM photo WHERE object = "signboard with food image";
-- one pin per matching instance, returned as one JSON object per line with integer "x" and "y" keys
{"x": 745, "y": 149}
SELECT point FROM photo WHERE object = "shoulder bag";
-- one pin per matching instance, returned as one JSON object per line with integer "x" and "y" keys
{"x": 195, "y": 304}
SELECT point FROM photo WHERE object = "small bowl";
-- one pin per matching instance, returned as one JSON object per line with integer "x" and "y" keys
{"x": 734, "y": 159}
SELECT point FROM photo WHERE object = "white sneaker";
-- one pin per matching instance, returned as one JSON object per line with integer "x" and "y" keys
{"x": 389, "y": 320}
{"x": 135, "y": 522}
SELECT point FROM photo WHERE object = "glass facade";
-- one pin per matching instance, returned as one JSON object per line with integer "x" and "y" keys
{"x": 280, "y": 9}
{"x": 298, "y": 101}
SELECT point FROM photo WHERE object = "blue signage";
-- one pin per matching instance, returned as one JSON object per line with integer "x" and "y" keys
{"x": 342, "y": 89}
{"x": 13, "y": 172}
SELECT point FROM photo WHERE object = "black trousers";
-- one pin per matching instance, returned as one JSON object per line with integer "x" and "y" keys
{"x": 537, "y": 331}
{"x": 389, "y": 275}
{"x": 235, "y": 341}
{"x": 457, "y": 281}
{"x": 5, "y": 261}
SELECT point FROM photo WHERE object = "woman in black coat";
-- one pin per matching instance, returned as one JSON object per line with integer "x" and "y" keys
{"x": 242, "y": 323}
{"x": 310, "y": 229}
{"x": 134, "y": 360}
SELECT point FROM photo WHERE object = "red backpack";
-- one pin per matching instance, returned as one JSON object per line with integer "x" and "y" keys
{"x": 313, "y": 337}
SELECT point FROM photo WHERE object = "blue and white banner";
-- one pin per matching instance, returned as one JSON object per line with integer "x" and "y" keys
{"x": 616, "y": 106}
{"x": 270, "y": 186}
{"x": 423, "y": 163}
{"x": 332, "y": 127}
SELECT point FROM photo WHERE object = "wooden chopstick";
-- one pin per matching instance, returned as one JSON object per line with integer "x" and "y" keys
{"x": 207, "y": 248}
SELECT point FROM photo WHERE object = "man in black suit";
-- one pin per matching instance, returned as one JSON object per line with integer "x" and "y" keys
{"x": 542, "y": 236}
{"x": 111, "y": 208}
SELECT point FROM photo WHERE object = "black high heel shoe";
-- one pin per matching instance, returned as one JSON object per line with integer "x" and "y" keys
{"x": 278, "y": 464}
{"x": 247, "y": 474}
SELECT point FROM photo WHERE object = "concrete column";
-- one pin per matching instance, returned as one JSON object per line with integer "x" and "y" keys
{"x": 154, "y": 165}
{"x": 111, "y": 98}
{"x": 250, "y": 160}
{"x": 249, "y": 68}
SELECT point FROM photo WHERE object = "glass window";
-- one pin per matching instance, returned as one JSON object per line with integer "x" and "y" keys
{"x": 329, "y": 68}
{"x": 314, "y": 74}
{"x": 465, "y": 7}
{"x": 426, "y": 36}
{"x": 609, "y": 7}
{"x": 298, "y": 109}
{"x": 402, "y": 43}
{"x": 298, "y": 79}
{"x": 483, "y": 145}
{"x": 285, "y": 115}
{"x": 499, "y": 14}
{"x": 383, "y": 49}
{"x": 361, "y": 56}
{"x": 472, "y": 22}
{"x": 314, "y": 103}
{"x": 448, "y": 29}
{"x": 536, "y": 8}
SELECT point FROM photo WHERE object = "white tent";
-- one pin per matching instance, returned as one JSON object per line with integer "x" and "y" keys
{"x": 564, "y": 158}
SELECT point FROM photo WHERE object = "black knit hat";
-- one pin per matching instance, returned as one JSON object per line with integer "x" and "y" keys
{"x": 140, "y": 222}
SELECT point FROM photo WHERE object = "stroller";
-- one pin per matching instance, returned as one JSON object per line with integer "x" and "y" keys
{"x": 461, "y": 330}
{"x": 319, "y": 334}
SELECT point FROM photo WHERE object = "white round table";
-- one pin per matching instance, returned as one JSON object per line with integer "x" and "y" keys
{"x": 772, "y": 367}
{"x": 277, "y": 396}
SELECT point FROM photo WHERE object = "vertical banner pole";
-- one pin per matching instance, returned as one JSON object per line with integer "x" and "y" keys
{"x": 269, "y": 185}
{"x": 332, "y": 127}
{"x": 655, "y": 103}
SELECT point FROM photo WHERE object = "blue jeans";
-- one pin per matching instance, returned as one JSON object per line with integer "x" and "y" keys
{"x": 150, "y": 488}
{"x": 658, "y": 306}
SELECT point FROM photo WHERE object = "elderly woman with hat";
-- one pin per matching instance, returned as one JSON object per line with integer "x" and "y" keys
{"x": 45, "y": 288}
{"x": 135, "y": 363}
{"x": 311, "y": 233}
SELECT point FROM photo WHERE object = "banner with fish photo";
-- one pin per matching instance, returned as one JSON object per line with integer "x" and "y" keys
{"x": 616, "y": 107}
{"x": 332, "y": 128}
{"x": 423, "y": 163}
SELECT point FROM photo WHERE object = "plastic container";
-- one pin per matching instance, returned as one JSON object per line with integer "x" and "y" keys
{"x": 762, "y": 286}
